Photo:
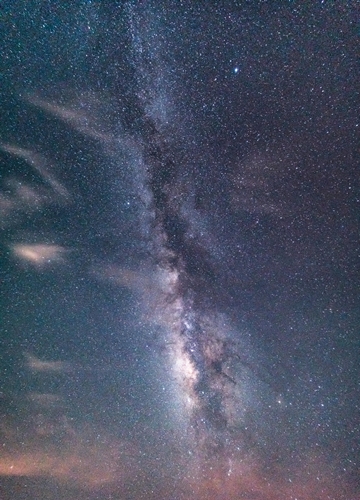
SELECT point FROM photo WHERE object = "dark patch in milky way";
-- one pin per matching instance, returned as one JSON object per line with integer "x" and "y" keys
{"x": 163, "y": 182}
{"x": 197, "y": 278}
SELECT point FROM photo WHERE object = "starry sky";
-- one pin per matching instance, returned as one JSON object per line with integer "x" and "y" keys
{"x": 179, "y": 246}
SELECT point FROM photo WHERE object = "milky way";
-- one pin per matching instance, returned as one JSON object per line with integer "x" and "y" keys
{"x": 201, "y": 354}
{"x": 179, "y": 252}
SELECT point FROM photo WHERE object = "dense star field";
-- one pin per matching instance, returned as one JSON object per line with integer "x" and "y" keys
{"x": 179, "y": 207}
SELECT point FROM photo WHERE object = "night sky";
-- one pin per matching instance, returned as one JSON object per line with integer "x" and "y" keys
{"x": 179, "y": 216}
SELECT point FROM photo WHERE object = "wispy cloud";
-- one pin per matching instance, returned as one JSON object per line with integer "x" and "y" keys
{"x": 39, "y": 254}
{"x": 45, "y": 400}
{"x": 246, "y": 478}
{"x": 18, "y": 196}
{"x": 38, "y": 365}
{"x": 46, "y": 442}
{"x": 79, "y": 113}
{"x": 128, "y": 278}
{"x": 40, "y": 164}
{"x": 78, "y": 461}
{"x": 256, "y": 183}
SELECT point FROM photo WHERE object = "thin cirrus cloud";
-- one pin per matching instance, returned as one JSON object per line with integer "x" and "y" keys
{"x": 45, "y": 400}
{"x": 40, "y": 254}
{"x": 136, "y": 280}
{"x": 18, "y": 196}
{"x": 79, "y": 115}
{"x": 38, "y": 365}
{"x": 39, "y": 163}
{"x": 245, "y": 479}
{"x": 84, "y": 462}
{"x": 48, "y": 443}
